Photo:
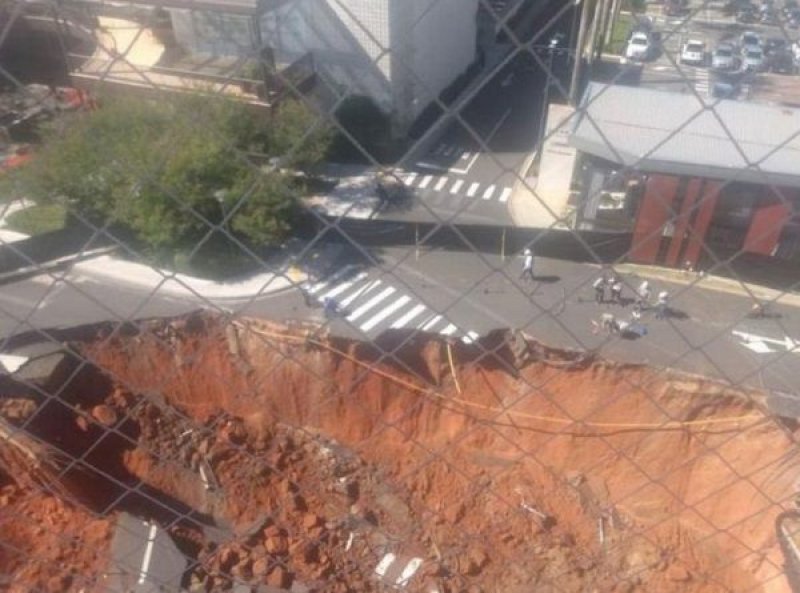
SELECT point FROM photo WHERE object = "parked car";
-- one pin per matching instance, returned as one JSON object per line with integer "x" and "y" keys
{"x": 724, "y": 57}
{"x": 639, "y": 47}
{"x": 749, "y": 39}
{"x": 752, "y": 59}
{"x": 774, "y": 45}
{"x": 693, "y": 53}
{"x": 781, "y": 62}
{"x": 675, "y": 7}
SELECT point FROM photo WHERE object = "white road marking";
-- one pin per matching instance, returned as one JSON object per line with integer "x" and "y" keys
{"x": 376, "y": 319}
{"x": 148, "y": 553}
{"x": 505, "y": 195}
{"x": 448, "y": 330}
{"x": 414, "y": 312}
{"x": 488, "y": 193}
{"x": 470, "y": 337}
{"x": 330, "y": 280}
{"x": 384, "y": 564}
{"x": 411, "y": 568}
{"x": 410, "y": 179}
{"x": 344, "y": 286}
{"x": 426, "y": 325}
{"x": 440, "y": 184}
{"x": 456, "y": 186}
{"x": 426, "y": 181}
{"x": 761, "y": 344}
{"x": 473, "y": 189}
{"x": 361, "y": 291}
{"x": 465, "y": 155}
{"x": 371, "y": 303}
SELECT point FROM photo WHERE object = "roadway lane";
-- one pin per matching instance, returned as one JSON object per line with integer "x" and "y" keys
{"x": 467, "y": 294}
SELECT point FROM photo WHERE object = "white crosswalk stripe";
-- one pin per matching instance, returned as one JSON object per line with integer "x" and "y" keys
{"x": 360, "y": 292}
{"x": 359, "y": 312}
{"x": 429, "y": 323}
{"x": 344, "y": 286}
{"x": 456, "y": 186}
{"x": 473, "y": 189}
{"x": 449, "y": 330}
{"x": 376, "y": 319}
{"x": 415, "y": 311}
{"x": 505, "y": 195}
{"x": 440, "y": 184}
{"x": 426, "y": 181}
{"x": 487, "y": 195}
{"x": 410, "y": 179}
{"x": 381, "y": 305}
{"x": 465, "y": 155}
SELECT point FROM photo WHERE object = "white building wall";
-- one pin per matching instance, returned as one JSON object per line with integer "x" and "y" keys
{"x": 345, "y": 37}
{"x": 402, "y": 53}
{"x": 435, "y": 41}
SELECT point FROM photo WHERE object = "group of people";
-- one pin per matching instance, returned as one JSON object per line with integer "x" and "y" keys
{"x": 613, "y": 284}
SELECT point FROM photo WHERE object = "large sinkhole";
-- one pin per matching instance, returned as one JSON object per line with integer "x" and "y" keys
{"x": 282, "y": 457}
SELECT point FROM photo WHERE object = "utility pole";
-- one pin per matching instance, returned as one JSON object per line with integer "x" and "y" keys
{"x": 612, "y": 19}
{"x": 576, "y": 70}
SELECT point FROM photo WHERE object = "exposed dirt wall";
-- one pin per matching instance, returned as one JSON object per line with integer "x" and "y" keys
{"x": 278, "y": 457}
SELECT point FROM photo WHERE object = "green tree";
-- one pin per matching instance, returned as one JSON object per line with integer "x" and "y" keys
{"x": 169, "y": 167}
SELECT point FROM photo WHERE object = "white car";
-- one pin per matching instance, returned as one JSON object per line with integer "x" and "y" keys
{"x": 724, "y": 57}
{"x": 693, "y": 53}
{"x": 638, "y": 46}
{"x": 749, "y": 39}
{"x": 752, "y": 59}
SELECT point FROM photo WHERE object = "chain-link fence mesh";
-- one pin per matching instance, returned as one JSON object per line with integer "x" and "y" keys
{"x": 369, "y": 295}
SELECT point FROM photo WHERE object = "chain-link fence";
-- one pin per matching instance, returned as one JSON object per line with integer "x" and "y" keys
{"x": 426, "y": 295}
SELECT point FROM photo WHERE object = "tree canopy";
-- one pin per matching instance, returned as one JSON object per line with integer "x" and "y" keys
{"x": 170, "y": 169}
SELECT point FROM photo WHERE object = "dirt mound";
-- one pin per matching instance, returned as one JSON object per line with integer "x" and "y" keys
{"x": 277, "y": 458}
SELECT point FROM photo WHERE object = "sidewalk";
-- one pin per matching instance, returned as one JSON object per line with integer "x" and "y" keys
{"x": 177, "y": 285}
{"x": 542, "y": 202}
{"x": 710, "y": 282}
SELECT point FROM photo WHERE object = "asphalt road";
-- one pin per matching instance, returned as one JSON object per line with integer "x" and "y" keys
{"x": 467, "y": 174}
{"x": 459, "y": 295}
{"x": 463, "y": 295}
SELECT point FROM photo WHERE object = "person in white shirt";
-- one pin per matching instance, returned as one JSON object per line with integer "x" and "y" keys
{"x": 527, "y": 265}
{"x": 661, "y": 304}
{"x": 643, "y": 295}
{"x": 599, "y": 286}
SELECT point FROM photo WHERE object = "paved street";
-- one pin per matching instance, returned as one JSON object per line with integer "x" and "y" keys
{"x": 458, "y": 295}
{"x": 463, "y": 295}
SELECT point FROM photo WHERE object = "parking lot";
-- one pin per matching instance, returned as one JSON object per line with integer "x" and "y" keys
{"x": 767, "y": 73}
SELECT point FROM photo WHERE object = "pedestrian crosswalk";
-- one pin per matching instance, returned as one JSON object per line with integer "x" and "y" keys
{"x": 374, "y": 305}
{"x": 452, "y": 150}
{"x": 454, "y": 186}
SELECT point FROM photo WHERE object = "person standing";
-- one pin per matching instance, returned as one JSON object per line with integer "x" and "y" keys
{"x": 616, "y": 290}
{"x": 643, "y": 295}
{"x": 599, "y": 286}
{"x": 661, "y": 304}
{"x": 527, "y": 265}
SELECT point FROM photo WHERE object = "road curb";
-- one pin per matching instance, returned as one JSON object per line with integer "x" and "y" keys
{"x": 43, "y": 267}
{"x": 710, "y": 282}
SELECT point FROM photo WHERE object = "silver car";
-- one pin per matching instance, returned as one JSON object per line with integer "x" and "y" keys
{"x": 752, "y": 59}
{"x": 724, "y": 57}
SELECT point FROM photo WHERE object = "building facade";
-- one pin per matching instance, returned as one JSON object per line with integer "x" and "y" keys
{"x": 401, "y": 53}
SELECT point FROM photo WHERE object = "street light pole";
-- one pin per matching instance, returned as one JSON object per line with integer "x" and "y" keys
{"x": 576, "y": 69}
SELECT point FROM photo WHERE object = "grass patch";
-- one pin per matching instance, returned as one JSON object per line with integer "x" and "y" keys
{"x": 38, "y": 219}
{"x": 619, "y": 34}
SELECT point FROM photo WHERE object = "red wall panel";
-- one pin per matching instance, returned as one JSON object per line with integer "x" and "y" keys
{"x": 654, "y": 211}
{"x": 705, "y": 211}
{"x": 770, "y": 215}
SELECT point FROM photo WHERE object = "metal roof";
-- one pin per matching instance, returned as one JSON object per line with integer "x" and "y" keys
{"x": 682, "y": 134}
